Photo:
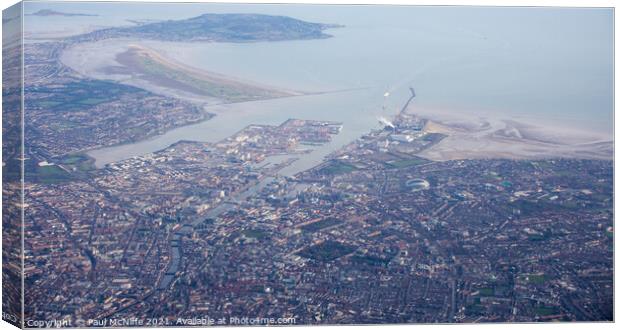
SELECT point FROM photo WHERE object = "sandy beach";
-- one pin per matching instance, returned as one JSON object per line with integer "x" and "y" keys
{"x": 130, "y": 62}
{"x": 484, "y": 138}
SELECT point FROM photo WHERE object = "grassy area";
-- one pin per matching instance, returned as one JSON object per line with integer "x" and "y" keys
{"x": 402, "y": 163}
{"x": 506, "y": 184}
{"x": 79, "y": 162}
{"x": 475, "y": 309}
{"x": 228, "y": 91}
{"x": 370, "y": 260}
{"x": 51, "y": 174}
{"x": 545, "y": 311}
{"x": 73, "y": 159}
{"x": 337, "y": 167}
{"x": 528, "y": 208}
{"x": 137, "y": 132}
{"x": 536, "y": 237}
{"x": 255, "y": 233}
{"x": 534, "y": 278}
{"x": 78, "y": 95}
{"x": 487, "y": 292}
{"x": 327, "y": 251}
{"x": 319, "y": 225}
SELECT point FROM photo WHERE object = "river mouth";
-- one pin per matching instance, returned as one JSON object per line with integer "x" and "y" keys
{"x": 456, "y": 86}
{"x": 231, "y": 118}
{"x": 357, "y": 107}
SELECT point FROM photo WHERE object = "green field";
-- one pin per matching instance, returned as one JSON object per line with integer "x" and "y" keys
{"x": 402, "y": 163}
{"x": 171, "y": 76}
{"x": 487, "y": 292}
{"x": 77, "y": 95}
{"x": 370, "y": 260}
{"x": 319, "y": 225}
{"x": 528, "y": 208}
{"x": 51, "y": 174}
{"x": 545, "y": 310}
{"x": 533, "y": 278}
{"x": 327, "y": 251}
{"x": 255, "y": 233}
{"x": 79, "y": 162}
{"x": 337, "y": 167}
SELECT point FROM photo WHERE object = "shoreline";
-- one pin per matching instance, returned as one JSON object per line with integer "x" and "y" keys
{"x": 465, "y": 140}
{"x": 134, "y": 61}
{"x": 511, "y": 139}
{"x": 218, "y": 110}
{"x": 471, "y": 135}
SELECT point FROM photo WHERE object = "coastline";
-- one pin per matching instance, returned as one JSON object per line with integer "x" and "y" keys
{"x": 486, "y": 138}
{"x": 152, "y": 66}
{"x": 475, "y": 135}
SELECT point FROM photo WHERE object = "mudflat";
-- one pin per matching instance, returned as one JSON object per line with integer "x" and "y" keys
{"x": 486, "y": 138}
